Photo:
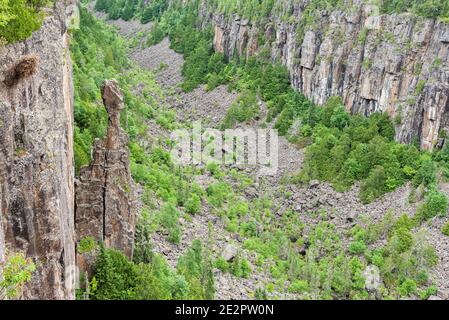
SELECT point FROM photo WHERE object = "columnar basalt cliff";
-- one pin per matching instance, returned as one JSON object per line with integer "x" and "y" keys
{"x": 104, "y": 192}
{"x": 36, "y": 156}
{"x": 396, "y": 63}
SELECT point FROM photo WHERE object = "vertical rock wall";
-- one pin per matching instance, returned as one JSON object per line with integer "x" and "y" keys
{"x": 36, "y": 159}
{"x": 397, "y": 64}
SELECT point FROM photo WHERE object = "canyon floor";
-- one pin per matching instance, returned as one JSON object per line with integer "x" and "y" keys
{"x": 344, "y": 209}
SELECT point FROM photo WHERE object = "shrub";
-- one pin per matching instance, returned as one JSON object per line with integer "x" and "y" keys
{"x": 214, "y": 169}
{"x": 407, "y": 288}
{"x": 17, "y": 270}
{"x": 86, "y": 245}
{"x": 156, "y": 36}
{"x": 420, "y": 87}
{"x": 402, "y": 240}
{"x": 436, "y": 203}
{"x": 260, "y": 294}
{"x": 240, "y": 267}
{"x": 244, "y": 109}
{"x": 426, "y": 174}
{"x": 217, "y": 193}
{"x": 115, "y": 277}
{"x": 213, "y": 81}
{"x": 169, "y": 218}
{"x": 357, "y": 247}
{"x": 222, "y": 264}
{"x": 19, "y": 18}
{"x": 193, "y": 204}
{"x": 445, "y": 229}
{"x": 196, "y": 266}
{"x": 299, "y": 286}
{"x": 374, "y": 186}
{"x": 153, "y": 10}
{"x": 143, "y": 250}
{"x": 238, "y": 209}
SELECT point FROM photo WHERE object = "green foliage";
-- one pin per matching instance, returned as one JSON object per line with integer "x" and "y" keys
{"x": 402, "y": 240}
{"x": 116, "y": 9}
{"x": 154, "y": 10}
{"x": 195, "y": 68}
{"x": 221, "y": 264}
{"x": 143, "y": 250}
{"x": 436, "y": 204}
{"x": 169, "y": 218}
{"x": 426, "y": 174}
{"x": 196, "y": 267}
{"x": 357, "y": 247}
{"x": 15, "y": 272}
{"x": 218, "y": 193}
{"x": 363, "y": 35}
{"x": 254, "y": 9}
{"x": 420, "y": 87}
{"x": 19, "y": 18}
{"x": 156, "y": 36}
{"x": 243, "y": 109}
{"x": 86, "y": 245}
{"x": 406, "y": 256}
{"x": 299, "y": 286}
{"x": 374, "y": 186}
{"x": 445, "y": 229}
{"x": 193, "y": 204}
{"x": 240, "y": 267}
{"x": 260, "y": 294}
{"x": 5, "y": 12}
{"x": 117, "y": 278}
{"x": 347, "y": 149}
{"x": 424, "y": 8}
{"x": 407, "y": 288}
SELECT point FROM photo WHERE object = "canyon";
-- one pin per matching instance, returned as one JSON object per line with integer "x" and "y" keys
{"x": 397, "y": 64}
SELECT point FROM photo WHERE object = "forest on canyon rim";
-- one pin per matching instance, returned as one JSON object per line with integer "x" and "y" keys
{"x": 356, "y": 210}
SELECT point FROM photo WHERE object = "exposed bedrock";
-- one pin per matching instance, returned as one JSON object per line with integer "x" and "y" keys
{"x": 396, "y": 63}
{"x": 105, "y": 199}
{"x": 36, "y": 156}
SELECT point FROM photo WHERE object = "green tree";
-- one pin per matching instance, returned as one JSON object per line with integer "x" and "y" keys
{"x": 15, "y": 272}
{"x": 436, "y": 203}
{"x": 169, "y": 217}
{"x": 5, "y": 12}
{"x": 115, "y": 276}
{"x": 196, "y": 266}
{"x": 374, "y": 186}
{"x": 18, "y": 19}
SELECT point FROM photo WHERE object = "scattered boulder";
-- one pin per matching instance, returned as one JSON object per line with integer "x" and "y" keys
{"x": 313, "y": 184}
{"x": 229, "y": 252}
{"x": 444, "y": 294}
{"x": 351, "y": 217}
{"x": 372, "y": 278}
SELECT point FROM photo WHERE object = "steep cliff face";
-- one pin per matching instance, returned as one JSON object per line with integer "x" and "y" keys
{"x": 398, "y": 64}
{"x": 104, "y": 192}
{"x": 36, "y": 166}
